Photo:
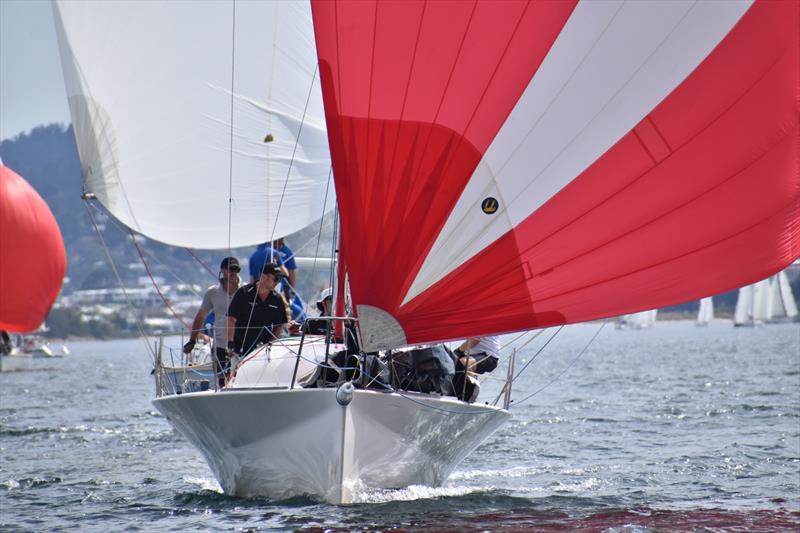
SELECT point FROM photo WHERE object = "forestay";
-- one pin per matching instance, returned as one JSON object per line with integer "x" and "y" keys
{"x": 518, "y": 165}
{"x": 162, "y": 142}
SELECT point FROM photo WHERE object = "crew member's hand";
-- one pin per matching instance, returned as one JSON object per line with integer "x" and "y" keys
{"x": 232, "y": 348}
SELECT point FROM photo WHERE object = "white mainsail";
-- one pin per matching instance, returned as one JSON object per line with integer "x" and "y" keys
{"x": 787, "y": 298}
{"x": 744, "y": 306}
{"x": 188, "y": 134}
{"x": 766, "y": 300}
{"x": 781, "y": 300}
{"x": 705, "y": 313}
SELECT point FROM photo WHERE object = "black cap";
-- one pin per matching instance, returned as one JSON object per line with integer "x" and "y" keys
{"x": 272, "y": 268}
{"x": 230, "y": 263}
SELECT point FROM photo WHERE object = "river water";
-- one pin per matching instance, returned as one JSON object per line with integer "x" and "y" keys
{"x": 672, "y": 428}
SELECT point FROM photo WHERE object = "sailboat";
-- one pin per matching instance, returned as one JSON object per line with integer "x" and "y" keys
{"x": 768, "y": 300}
{"x": 640, "y": 320}
{"x": 782, "y": 305}
{"x": 498, "y": 167}
{"x": 32, "y": 263}
{"x": 705, "y": 312}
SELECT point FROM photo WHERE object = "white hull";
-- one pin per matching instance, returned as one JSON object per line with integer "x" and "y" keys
{"x": 281, "y": 443}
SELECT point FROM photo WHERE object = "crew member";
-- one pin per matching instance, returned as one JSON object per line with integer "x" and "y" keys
{"x": 257, "y": 312}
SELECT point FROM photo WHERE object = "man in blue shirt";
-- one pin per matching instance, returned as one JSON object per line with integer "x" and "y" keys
{"x": 279, "y": 253}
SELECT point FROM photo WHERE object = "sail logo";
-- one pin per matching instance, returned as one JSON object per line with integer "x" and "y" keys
{"x": 489, "y": 205}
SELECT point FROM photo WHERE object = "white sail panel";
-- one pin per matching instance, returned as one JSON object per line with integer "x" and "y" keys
{"x": 787, "y": 298}
{"x": 705, "y": 313}
{"x": 165, "y": 146}
{"x": 744, "y": 306}
{"x": 761, "y": 308}
{"x": 609, "y": 67}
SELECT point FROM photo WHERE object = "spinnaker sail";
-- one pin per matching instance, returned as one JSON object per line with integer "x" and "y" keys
{"x": 517, "y": 165}
{"x": 32, "y": 256}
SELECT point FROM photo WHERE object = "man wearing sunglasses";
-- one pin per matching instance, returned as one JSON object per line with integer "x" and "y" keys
{"x": 217, "y": 299}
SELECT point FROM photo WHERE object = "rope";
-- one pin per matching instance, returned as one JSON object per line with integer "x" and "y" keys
{"x": 526, "y": 398}
{"x": 283, "y": 192}
{"x": 121, "y": 284}
{"x": 553, "y": 336}
{"x": 153, "y": 259}
{"x": 506, "y": 358}
{"x": 294, "y": 151}
{"x": 153, "y": 281}
{"x": 202, "y": 263}
{"x": 230, "y": 154}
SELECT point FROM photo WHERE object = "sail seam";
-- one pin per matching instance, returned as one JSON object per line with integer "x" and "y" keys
{"x": 646, "y": 172}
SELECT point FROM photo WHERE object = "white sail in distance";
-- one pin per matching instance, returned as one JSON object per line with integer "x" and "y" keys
{"x": 705, "y": 313}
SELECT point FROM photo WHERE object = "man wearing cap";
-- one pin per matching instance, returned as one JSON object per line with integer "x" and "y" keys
{"x": 316, "y": 326}
{"x": 217, "y": 298}
{"x": 257, "y": 312}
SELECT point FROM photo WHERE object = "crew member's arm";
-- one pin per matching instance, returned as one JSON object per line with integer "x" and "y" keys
{"x": 196, "y": 325}
{"x": 233, "y": 314}
{"x": 231, "y": 329}
{"x": 469, "y": 344}
{"x": 283, "y": 318}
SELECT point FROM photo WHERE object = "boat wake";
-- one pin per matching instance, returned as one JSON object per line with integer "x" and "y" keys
{"x": 411, "y": 493}
{"x": 204, "y": 483}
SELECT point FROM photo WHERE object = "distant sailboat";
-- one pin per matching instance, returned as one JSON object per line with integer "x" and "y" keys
{"x": 768, "y": 300}
{"x": 782, "y": 305}
{"x": 641, "y": 320}
{"x": 705, "y": 313}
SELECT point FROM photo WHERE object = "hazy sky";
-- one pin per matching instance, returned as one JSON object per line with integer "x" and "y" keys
{"x": 31, "y": 83}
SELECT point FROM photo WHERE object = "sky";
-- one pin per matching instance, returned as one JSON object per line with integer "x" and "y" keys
{"x": 31, "y": 84}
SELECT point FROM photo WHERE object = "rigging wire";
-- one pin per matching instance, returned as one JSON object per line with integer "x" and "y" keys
{"x": 521, "y": 370}
{"x": 488, "y": 376}
{"x": 122, "y": 285}
{"x": 321, "y": 222}
{"x": 230, "y": 153}
{"x": 175, "y": 314}
{"x": 294, "y": 151}
{"x": 202, "y": 263}
{"x": 124, "y": 229}
{"x": 224, "y": 321}
{"x": 285, "y": 183}
{"x": 528, "y": 397}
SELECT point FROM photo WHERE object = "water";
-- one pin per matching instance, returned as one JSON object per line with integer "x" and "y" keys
{"x": 671, "y": 428}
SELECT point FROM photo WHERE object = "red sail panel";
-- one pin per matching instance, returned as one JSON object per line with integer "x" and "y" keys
{"x": 702, "y": 196}
{"x": 32, "y": 256}
{"x": 414, "y": 93}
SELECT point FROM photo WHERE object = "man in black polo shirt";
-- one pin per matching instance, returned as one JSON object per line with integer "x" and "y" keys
{"x": 257, "y": 312}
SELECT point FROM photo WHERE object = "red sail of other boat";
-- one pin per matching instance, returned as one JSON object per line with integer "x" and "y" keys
{"x": 32, "y": 256}
{"x": 503, "y": 166}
